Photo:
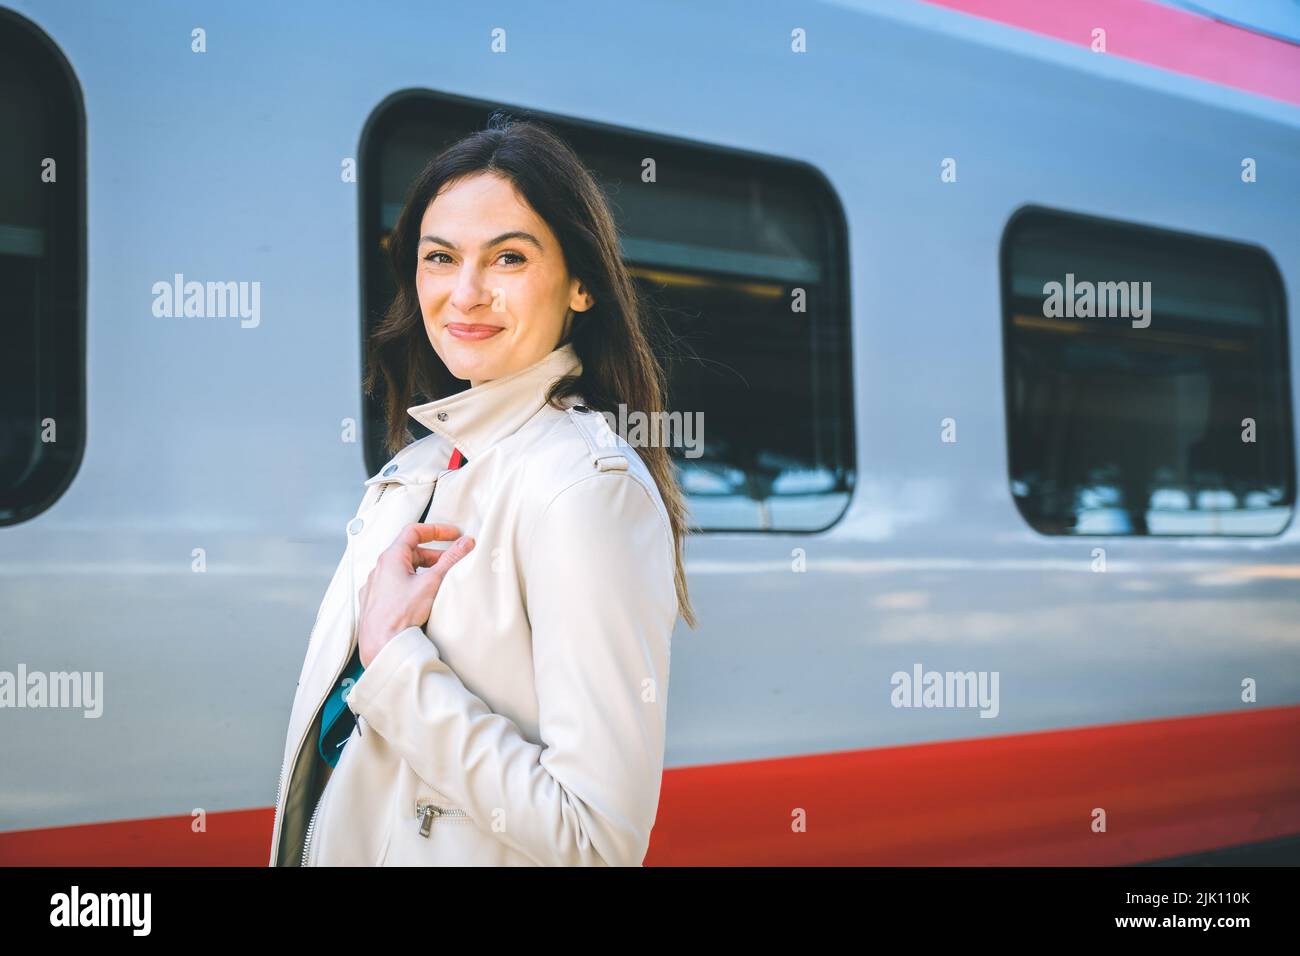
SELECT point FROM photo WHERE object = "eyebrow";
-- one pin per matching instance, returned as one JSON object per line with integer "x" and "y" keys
{"x": 516, "y": 234}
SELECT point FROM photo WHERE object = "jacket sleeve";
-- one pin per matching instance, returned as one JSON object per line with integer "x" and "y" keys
{"x": 598, "y": 583}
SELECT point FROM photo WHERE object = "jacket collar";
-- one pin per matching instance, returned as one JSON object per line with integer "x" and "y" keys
{"x": 477, "y": 418}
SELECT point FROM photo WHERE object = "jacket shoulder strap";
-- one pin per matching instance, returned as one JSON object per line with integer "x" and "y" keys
{"x": 601, "y": 439}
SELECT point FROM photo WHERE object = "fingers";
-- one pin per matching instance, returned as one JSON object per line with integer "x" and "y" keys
{"x": 406, "y": 546}
{"x": 423, "y": 557}
{"x": 438, "y": 569}
{"x": 415, "y": 534}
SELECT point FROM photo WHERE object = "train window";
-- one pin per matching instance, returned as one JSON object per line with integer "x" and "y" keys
{"x": 42, "y": 254}
{"x": 743, "y": 257}
{"x": 1147, "y": 383}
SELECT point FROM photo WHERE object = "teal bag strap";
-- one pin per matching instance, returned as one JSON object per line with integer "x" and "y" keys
{"x": 337, "y": 719}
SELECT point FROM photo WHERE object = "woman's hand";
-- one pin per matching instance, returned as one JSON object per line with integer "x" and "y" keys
{"x": 398, "y": 595}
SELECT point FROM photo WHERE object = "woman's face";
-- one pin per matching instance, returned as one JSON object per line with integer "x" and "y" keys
{"x": 493, "y": 285}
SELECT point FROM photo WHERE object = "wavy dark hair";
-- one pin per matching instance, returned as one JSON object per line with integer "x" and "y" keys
{"x": 613, "y": 338}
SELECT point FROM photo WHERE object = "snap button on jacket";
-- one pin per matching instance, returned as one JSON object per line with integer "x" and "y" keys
{"x": 524, "y": 724}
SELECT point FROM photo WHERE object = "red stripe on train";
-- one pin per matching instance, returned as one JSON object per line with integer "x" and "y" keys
{"x": 1157, "y": 35}
{"x": 1169, "y": 787}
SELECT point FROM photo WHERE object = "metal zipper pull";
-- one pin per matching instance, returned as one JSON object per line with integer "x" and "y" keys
{"x": 427, "y": 812}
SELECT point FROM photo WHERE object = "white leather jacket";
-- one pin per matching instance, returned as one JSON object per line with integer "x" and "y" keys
{"x": 524, "y": 724}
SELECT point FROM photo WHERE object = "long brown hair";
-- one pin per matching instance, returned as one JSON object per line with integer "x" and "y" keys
{"x": 613, "y": 338}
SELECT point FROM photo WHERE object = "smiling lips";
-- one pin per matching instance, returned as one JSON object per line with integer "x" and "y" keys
{"x": 472, "y": 331}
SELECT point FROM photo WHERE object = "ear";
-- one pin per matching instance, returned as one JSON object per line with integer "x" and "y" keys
{"x": 580, "y": 300}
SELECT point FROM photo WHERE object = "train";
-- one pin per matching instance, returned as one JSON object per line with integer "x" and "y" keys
{"x": 979, "y": 581}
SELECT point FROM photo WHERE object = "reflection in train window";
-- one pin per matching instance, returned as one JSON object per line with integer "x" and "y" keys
{"x": 718, "y": 244}
{"x": 1147, "y": 382}
{"x": 42, "y": 253}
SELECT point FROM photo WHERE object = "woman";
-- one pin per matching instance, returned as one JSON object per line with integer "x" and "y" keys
{"x": 503, "y": 701}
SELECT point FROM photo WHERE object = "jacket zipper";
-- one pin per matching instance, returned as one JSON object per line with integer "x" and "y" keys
{"x": 279, "y": 781}
{"x": 279, "y": 788}
{"x": 298, "y": 750}
{"x": 311, "y": 827}
{"x": 428, "y": 811}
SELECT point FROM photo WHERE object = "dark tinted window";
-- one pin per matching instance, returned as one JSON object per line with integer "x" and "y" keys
{"x": 42, "y": 183}
{"x": 718, "y": 243}
{"x": 1147, "y": 381}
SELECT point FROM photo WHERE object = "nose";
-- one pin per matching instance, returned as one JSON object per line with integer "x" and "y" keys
{"x": 470, "y": 291}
